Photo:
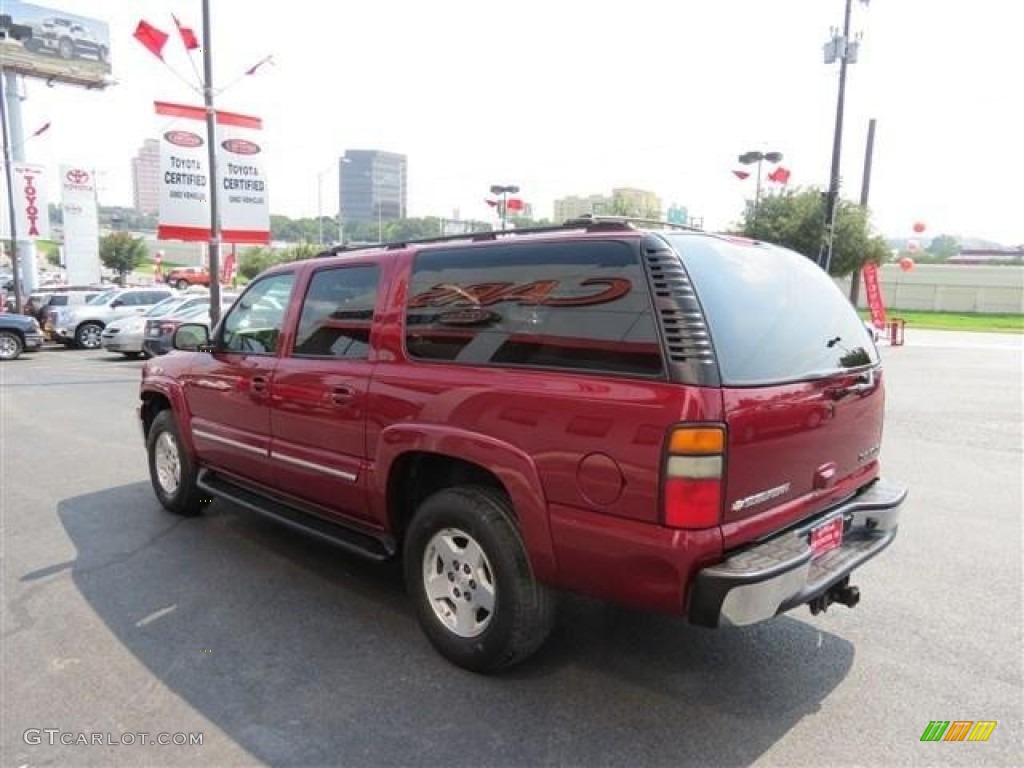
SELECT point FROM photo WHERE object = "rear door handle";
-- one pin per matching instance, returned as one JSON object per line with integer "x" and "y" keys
{"x": 258, "y": 384}
{"x": 342, "y": 395}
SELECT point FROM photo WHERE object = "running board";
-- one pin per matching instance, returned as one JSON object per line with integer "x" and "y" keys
{"x": 373, "y": 547}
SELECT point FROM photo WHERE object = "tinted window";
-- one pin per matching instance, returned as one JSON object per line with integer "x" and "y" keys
{"x": 58, "y": 301}
{"x": 774, "y": 315}
{"x": 337, "y": 313}
{"x": 579, "y": 305}
{"x": 254, "y": 323}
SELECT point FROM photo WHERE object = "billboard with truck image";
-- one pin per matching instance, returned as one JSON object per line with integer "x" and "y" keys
{"x": 54, "y": 45}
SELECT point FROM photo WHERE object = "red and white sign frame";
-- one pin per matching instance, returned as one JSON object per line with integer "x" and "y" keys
{"x": 184, "y": 181}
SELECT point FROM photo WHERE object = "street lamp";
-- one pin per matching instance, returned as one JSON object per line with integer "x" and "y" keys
{"x": 748, "y": 158}
{"x": 504, "y": 191}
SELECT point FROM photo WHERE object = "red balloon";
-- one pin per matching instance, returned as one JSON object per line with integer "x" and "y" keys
{"x": 919, "y": 226}
{"x": 906, "y": 263}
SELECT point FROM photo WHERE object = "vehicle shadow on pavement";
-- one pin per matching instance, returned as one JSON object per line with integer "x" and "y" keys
{"x": 304, "y": 655}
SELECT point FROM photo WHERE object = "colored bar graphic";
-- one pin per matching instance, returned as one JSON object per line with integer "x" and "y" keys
{"x": 935, "y": 730}
{"x": 982, "y": 730}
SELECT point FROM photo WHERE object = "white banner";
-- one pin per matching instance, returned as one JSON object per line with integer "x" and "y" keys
{"x": 31, "y": 212}
{"x": 81, "y": 225}
{"x": 185, "y": 182}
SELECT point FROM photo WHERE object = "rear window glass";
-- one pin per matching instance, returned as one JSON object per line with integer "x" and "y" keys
{"x": 579, "y": 306}
{"x": 774, "y": 315}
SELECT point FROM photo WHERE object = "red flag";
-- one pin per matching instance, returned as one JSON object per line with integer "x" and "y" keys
{"x": 779, "y": 175}
{"x": 741, "y": 174}
{"x": 515, "y": 204}
{"x": 188, "y": 36}
{"x": 152, "y": 38}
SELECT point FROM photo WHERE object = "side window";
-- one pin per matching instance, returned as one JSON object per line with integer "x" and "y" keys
{"x": 254, "y": 323}
{"x": 153, "y": 297}
{"x": 337, "y": 313}
{"x": 574, "y": 305}
{"x": 131, "y": 299}
{"x": 58, "y": 301}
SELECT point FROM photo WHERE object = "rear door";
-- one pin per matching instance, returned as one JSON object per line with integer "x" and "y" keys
{"x": 318, "y": 403}
{"x": 801, "y": 383}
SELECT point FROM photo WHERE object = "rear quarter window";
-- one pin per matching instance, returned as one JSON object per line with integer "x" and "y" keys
{"x": 774, "y": 315}
{"x": 580, "y": 306}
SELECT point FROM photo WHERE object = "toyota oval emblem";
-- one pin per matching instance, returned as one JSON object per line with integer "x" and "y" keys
{"x": 184, "y": 138}
{"x": 240, "y": 146}
{"x": 77, "y": 176}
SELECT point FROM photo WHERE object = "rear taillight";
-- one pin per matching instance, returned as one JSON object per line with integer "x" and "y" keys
{"x": 693, "y": 476}
{"x": 167, "y": 327}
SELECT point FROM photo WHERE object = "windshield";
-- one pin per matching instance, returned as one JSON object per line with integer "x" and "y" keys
{"x": 103, "y": 298}
{"x": 774, "y": 315}
{"x": 165, "y": 307}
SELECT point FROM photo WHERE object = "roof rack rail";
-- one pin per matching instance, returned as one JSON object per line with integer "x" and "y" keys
{"x": 635, "y": 220}
{"x": 584, "y": 223}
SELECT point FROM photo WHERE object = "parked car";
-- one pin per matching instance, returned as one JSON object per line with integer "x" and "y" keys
{"x": 158, "y": 333}
{"x": 125, "y": 335}
{"x": 71, "y": 296}
{"x": 83, "y": 326}
{"x": 182, "y": 277}
{"x": 669, "y": 419}
{"x": 18, "y": 333}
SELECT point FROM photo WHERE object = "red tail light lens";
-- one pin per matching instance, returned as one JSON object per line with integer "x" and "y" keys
{"x": 692, "y": 503}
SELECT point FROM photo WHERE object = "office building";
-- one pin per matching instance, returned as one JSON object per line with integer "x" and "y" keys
{"x": 372, "y": 185}
{"x": 146, "y": 177}
{"x": 623, "y": 201}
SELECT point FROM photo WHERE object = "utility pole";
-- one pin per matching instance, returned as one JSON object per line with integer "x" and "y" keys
{"x": 844, "y": 50}
{"x": 211, "y": 141}
{"x": 865, "y": 187}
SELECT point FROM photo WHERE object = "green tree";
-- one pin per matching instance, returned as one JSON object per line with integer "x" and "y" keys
{"x": 796, "y": 219}
{"x": 943, "y": 246}
{"x": 122, "y": 253}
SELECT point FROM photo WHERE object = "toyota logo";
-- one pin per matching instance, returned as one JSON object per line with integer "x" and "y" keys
{"x": 77, "y": 176}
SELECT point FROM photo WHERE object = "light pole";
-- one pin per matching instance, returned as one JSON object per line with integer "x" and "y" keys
{"x": 842, "y": 48}
{"x": 504, "y": 191}
{"x": 748, "y": 158}
{"x": 320, "y": 202}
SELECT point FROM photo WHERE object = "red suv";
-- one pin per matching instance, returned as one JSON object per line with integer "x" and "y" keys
{"x": 677, "y": 421}
{"x": 185, "y": 277}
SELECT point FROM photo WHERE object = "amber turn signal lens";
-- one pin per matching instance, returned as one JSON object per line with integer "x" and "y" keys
{"x": 697, "y": 440}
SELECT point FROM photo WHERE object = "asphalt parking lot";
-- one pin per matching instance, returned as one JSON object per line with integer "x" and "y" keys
{"x": 117, "y": 618}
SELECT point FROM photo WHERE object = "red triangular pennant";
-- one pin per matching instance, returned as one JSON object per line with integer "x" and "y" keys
{"x": 780, "y": 175}
{"x": 188, "y": 36}
{"x": 151, "y": 37}
{"x": 741, "y": 174}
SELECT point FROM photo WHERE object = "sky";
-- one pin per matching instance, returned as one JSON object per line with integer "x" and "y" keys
{"x": 569, "y": 97}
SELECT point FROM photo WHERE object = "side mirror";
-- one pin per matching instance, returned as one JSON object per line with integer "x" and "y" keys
{"x": 116, "y": 303}
{"x": 192, "y": 337}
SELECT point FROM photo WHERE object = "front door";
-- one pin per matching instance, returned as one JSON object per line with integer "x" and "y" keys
{"x": 319, "y": 392}
{"x": 228, "y": 390}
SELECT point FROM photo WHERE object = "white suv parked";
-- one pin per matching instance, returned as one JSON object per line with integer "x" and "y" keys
{"x": 83, "y": 326}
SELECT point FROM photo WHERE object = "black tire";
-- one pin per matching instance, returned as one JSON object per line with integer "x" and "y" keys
{"x": 89, "y": 335}
{"x": 184, "y": 498}
{"x": 182, "y": 285}
{"x": 11, "y": 345}
{"x": 131, "y": 355}
{"x": 523, "y": 609}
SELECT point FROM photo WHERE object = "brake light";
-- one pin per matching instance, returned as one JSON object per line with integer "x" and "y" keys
{"x": 692, "y": 478}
